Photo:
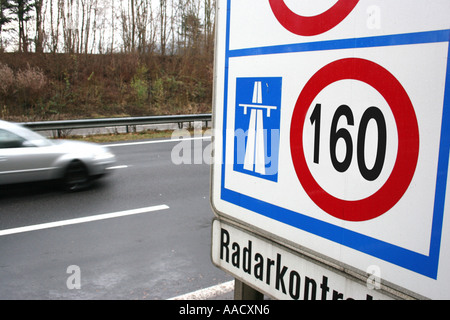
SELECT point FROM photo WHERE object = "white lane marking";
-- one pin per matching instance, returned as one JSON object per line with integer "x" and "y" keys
{"x": 82, "y": 220}
{"x": 207, "y": 293}
{"x": 117, "y": 167}
{"x": 155, "y": 141}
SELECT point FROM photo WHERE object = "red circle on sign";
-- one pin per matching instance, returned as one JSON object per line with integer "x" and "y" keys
{"x": 311, "y": 26}
{"x": 408, "y": 139}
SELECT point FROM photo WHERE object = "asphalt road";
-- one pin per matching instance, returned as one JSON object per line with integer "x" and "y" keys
{"x": 159, "y": 253}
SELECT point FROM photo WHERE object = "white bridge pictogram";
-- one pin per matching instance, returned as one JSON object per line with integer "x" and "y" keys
{"x": 255, "y": 159}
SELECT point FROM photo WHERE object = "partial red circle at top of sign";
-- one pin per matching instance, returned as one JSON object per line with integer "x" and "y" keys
{"x": 315, "y": 25}
{"x": 408, "y": 139}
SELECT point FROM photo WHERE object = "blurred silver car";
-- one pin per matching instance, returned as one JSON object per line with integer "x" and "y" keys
{"x": 26, "y": 156}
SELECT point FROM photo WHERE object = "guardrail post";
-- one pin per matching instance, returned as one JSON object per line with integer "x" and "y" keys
{"x": 131, "y": 128}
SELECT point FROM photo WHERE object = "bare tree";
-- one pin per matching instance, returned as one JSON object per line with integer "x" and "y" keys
{"x": 163, "y": 25}
{"x": 67, "y": 24}
{"x": 88, "y": 26}
{"x": 208, "y": 24}
{"x": 5, "y": 5}
{"x": 113, "y": 29}
{"x": 22, "y": 10}
{"x": 39, "y": 38}
{"x": 54, "y": 25}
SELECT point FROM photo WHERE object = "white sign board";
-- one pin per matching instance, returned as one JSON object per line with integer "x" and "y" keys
{"x": 282, "y": 273}
{"x": 331, "y": 123}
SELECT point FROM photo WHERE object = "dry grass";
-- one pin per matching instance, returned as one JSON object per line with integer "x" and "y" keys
{"x": 69, "y": 86}
{"x": 117, "y": 137}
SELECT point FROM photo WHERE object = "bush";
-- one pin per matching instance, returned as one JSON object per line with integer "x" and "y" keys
{"x": 7, "y": 80}
{"x": 30, "y": 84}
{"x": 139, "y": 84}
{"x": 23, "y": 88}
{"x": 68, "y": 86}
{"x": 32, "y": 80}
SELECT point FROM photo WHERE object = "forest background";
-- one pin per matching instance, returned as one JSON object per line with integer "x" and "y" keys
{"x": 71, "y": 59}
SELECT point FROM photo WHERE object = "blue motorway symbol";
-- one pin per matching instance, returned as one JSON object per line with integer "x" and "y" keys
{"x": 257, "y": 127}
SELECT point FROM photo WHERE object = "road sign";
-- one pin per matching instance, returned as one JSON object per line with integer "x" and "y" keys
{"x": 285, "y": 274}
{"x": 256, "y": 152}
{"x": 311, "y": 25}
{"x": 332, "y": 134}
{"x": 400, "y": 104}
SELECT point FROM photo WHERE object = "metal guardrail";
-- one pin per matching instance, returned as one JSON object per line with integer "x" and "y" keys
{"x": 115, "y": 122}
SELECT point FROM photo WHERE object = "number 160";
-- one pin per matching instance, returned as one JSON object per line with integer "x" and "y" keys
{"x": 335, "y": 135}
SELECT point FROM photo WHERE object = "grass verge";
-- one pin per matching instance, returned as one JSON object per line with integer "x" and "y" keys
{"x": 118, "y": 137}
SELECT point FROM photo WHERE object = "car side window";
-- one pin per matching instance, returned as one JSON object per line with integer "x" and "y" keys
{"x": 10, "y": 140}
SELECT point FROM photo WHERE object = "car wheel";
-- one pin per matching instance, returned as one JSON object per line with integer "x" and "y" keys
{"x": 76, "y": 176}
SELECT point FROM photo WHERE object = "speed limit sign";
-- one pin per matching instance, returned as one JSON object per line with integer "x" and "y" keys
{"x": 404, "y": 122}
{"x": 312, "y": 25}
{"x": 332, "y": 138}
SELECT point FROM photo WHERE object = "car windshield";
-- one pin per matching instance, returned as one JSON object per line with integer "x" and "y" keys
{"x": 33, "y": 137}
